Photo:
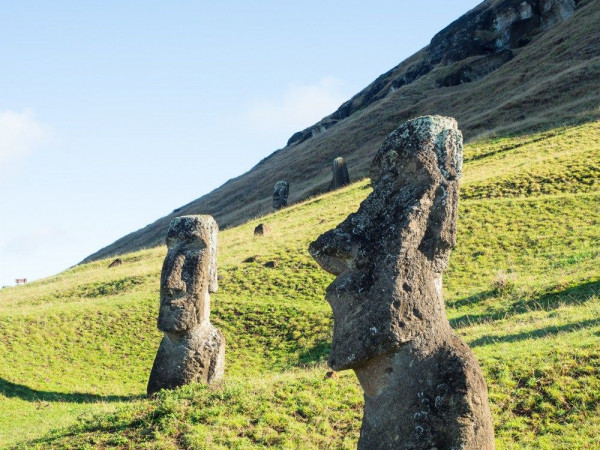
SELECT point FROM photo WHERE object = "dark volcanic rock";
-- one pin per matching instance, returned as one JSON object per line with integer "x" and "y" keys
{"x": 192, "y": 349}
{"x": 488, "y": 31}
{"x": 281, "y": 190}
{"x": 262, "y": 230}
{"x": 474, "y": 70}
{"x": 340, "y": 176}
{"x": 423, "y": 387}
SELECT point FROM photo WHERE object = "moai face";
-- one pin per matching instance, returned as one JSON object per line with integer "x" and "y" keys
{"x": 189, "y": 273}
{"x": 389, "y": 256}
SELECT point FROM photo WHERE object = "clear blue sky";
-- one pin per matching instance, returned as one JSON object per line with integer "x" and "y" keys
{"x": 113, "y": 113}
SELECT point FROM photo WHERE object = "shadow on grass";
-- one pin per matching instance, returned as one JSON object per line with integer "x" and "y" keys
{"x": 535, "y": 334}
{"x": 316, "y": 354}
{"x": 544, "y": 302}
{"x": 12, "y": 390}
{"x": 472, "y": 300}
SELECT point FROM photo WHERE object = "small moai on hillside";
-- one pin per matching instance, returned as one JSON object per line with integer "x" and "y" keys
{"x": 281, "y": 190}
{"x": 340, "y": 176}
{"x": 423, "y": 386}
{"x": 192, "y": 349}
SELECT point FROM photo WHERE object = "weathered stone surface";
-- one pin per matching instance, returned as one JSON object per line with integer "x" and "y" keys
{"x": 340, "y": 176}
{"x": 115, "y": 263}
{"x": 423, "y": 387}
{"x": 192, "y": 348}
{"x": 281, "y": 190}
{"x": 262, "y": 229}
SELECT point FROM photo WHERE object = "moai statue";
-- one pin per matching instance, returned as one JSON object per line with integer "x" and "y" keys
{"x": 281, "y": 190}
{"x": 340, "y": 175}
{"x": 192, "y": 349}
{"x": 423, "y": 386}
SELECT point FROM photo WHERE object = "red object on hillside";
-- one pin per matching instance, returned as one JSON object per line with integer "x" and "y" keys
{"x": 20, "y": 281}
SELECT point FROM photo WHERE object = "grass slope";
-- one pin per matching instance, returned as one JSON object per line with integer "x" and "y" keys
{"x": 523, "y": 289}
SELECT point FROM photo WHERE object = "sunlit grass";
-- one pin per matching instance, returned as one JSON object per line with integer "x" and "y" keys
{"x": 523, "y": 289}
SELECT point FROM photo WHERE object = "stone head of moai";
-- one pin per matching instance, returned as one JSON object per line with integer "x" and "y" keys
{"x": 281, "y": 191}
{"x": 423, "y": 387}
{"x": 389, "y": 256}
{"x": 189, "y": 273}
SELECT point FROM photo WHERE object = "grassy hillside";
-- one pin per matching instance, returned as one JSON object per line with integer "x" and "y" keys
{"x": 549, "y": 82}
{"x": 523, "y": 289}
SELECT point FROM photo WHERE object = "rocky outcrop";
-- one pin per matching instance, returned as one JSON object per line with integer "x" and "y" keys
{"x": 423, "y": 387}
{"x": 192, "y": 349}
{"x": 485, "y": 36}
{"x": 281, "y": 191}
{"x": 340, "y": 176}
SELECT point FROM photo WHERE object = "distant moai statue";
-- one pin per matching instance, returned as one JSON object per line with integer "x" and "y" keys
{"x": 340, "y": 175}
{"x": 423, "y": 386}
{"x": 192, "y": 349}
{"x": 281, "y": 190}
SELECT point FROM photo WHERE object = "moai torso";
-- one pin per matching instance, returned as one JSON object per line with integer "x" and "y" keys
{"x": 423, "y": 387}
{"x": 192, "y": 349}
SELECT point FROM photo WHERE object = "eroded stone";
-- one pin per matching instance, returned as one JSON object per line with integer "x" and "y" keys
{"x": 192, "y": 348}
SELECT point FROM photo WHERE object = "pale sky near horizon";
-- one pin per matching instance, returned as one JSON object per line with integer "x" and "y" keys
{"x": 114, "y": 113}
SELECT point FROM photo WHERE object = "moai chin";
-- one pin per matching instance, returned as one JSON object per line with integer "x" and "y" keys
{"x": 423, "y": 386}
{"x": 340, "y": 176}
{"x": 281, "y": 190}
{"x": 192, "y": 349}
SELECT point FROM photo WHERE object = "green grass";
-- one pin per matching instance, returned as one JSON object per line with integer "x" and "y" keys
{"x": 523, "y": 289}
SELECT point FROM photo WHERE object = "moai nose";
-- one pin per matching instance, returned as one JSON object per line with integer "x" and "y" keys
{"x": 174, "y": 286}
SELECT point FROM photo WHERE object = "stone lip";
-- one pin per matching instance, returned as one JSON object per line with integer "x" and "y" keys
{"x": 397, "y": 244}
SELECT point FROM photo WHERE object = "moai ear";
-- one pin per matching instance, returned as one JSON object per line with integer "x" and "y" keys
{"x": 440, "y": 234}
{"x": 213, "y": 283}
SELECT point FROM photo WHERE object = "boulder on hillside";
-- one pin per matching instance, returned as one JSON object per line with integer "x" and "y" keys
{"x": 262, "y": 229}
{"x": 117, "y": 262}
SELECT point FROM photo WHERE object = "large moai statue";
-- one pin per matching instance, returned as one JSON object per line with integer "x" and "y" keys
{"x": 423, "y": 386}
{"x": 192, "y": 349}
{"x": 281, "y": 190}
{"x": 340, "y": 176}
